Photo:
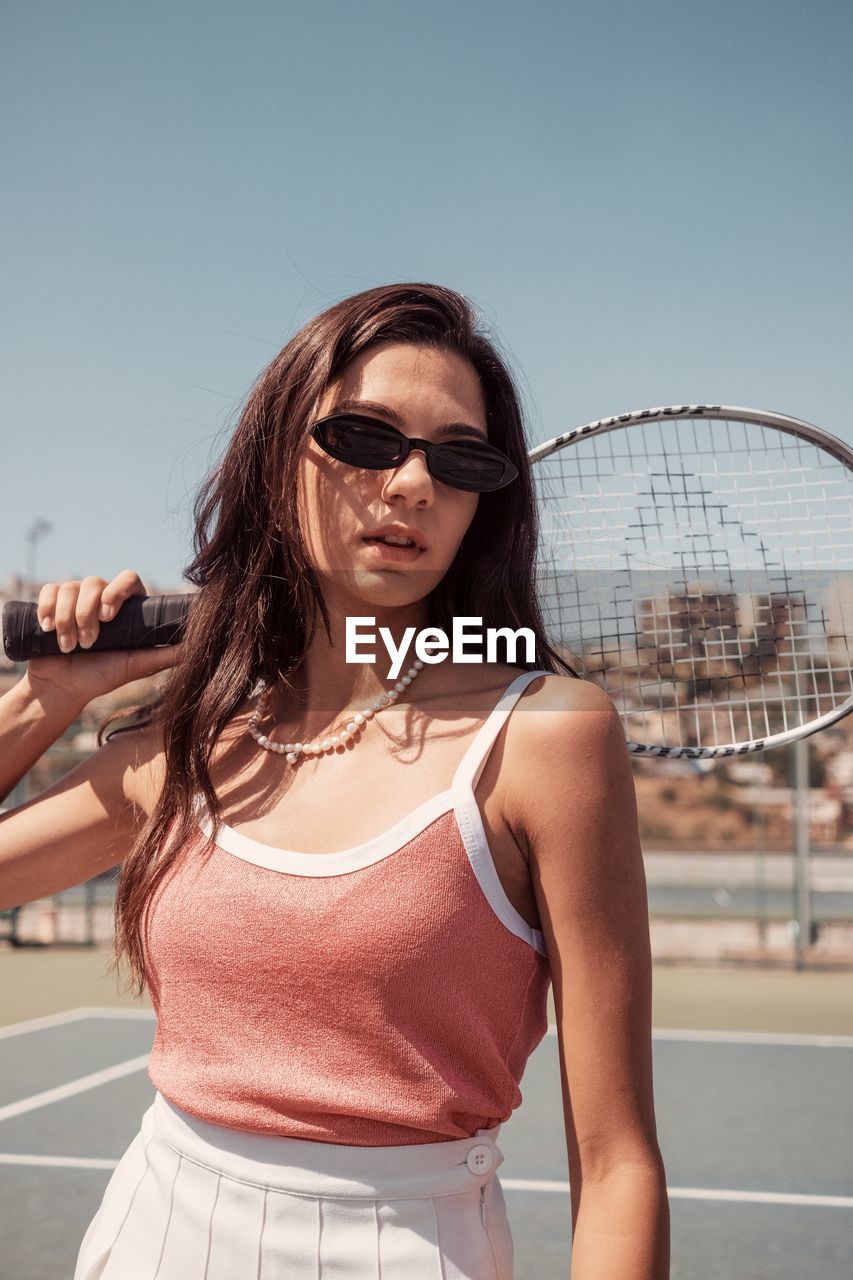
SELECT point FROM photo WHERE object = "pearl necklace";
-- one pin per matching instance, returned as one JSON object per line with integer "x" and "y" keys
{"x": 293, "y": 750}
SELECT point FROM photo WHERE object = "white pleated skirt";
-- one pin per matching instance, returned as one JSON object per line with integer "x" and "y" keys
{"x": 195, "y": 1201}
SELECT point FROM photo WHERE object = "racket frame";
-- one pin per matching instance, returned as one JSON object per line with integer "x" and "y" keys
{"x": 831, "y": 444}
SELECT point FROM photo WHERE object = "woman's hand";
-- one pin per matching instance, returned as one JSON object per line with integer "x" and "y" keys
{"x": 75, "y": 610}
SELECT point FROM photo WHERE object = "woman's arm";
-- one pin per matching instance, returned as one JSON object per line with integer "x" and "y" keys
{"x": 576, "y": 808}
{"x": 86, "y": 821}
{"x": 29, "y": 725}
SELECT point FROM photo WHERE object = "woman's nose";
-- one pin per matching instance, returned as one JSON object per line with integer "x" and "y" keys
{"x": 411, "y": 474}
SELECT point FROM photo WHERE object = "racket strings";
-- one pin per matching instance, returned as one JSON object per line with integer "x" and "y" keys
{"x": 702, "y": 571}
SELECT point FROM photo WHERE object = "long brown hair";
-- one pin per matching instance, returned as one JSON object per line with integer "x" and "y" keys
{"x": 254, "y": 613}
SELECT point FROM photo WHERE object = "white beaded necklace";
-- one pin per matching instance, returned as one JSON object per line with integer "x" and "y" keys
{"x": 293, "y": 750}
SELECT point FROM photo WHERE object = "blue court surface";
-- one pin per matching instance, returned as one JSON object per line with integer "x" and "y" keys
{"x": 756, "y": 1131}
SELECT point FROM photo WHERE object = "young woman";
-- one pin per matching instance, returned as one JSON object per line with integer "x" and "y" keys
{"x": 348, "y": 895}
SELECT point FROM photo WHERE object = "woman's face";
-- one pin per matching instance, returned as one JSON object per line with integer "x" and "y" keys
{"x": 419, "y": 391}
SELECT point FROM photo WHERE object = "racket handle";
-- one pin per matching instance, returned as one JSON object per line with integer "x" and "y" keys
{"x": 141, "y": 623}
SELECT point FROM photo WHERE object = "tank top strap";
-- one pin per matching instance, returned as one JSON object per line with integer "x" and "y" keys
{"x": 471, "y": 765}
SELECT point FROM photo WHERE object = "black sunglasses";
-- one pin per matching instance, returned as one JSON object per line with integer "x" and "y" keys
{"x": 362, "y": 441}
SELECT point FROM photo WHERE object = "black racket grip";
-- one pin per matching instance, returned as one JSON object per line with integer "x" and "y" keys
{"x": 141, "y": 623}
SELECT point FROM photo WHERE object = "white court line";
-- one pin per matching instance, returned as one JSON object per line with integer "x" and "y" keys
{"x": 755, "y": 1037}
{"x": 93, "y": 1081}
{"x": 658, "y": 1033}
{"x": 59, "y": 1162}
{"x": 100, "y": 1011}
{"x": 38, "y": 1024}
{"x": 702, "y": 1193}
{"x": 72, "y": 1015}
{"x": 745, "y": 1037}
{"x": 512, "y": 1184}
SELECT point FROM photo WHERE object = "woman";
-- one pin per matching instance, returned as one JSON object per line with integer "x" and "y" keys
{"x": 347, "y": 895}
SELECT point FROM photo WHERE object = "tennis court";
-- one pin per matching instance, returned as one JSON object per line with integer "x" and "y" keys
{"x": 754, "y": 1105}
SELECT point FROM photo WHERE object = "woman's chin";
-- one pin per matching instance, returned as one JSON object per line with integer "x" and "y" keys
{"x": 389, "y": 588}
{"x": 384, "y": 588}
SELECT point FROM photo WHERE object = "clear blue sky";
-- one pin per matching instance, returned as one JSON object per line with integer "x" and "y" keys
{"x": 651, "y": 202}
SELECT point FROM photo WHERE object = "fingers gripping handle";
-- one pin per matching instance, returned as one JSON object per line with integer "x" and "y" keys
{"x": 141, "y": 623}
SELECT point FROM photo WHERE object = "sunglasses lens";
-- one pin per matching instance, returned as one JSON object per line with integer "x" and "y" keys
{"x": 362, "y": 444}
{"x": 472, "y": 467}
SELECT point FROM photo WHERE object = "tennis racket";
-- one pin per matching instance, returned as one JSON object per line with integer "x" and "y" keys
{"x": 695, "y": 561}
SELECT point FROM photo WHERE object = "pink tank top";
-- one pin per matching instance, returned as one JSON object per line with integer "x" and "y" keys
{"x": 384, "y": 995}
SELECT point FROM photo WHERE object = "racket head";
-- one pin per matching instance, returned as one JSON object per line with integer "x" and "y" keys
{"x": 696, "y": 561}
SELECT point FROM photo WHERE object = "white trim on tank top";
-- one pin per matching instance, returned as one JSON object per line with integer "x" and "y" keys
{"x": 458, "y": 798}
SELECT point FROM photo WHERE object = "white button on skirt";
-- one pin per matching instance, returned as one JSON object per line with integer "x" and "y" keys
{"x": 195, "y": 1201}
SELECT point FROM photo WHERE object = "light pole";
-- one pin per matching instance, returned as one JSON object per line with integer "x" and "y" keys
{"x": 32, "y": 536}
{"x": 20, "y": 794}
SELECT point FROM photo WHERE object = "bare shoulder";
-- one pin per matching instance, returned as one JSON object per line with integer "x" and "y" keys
{"x": 554, "y": 711}
{"x": 141, "y": 752}
{"x": 559, "y": 694}
{"x": 561, "y": 715}
{"x": 566, "y": 745}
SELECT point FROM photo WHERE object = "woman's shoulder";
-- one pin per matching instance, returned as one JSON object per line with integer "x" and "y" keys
{"x": 570, "y": 714}
{"x": 562, "y": 705}
{"x": 558, "y": 693}
{"x": 544, "y": 749}
{"x": 141, "y": 749}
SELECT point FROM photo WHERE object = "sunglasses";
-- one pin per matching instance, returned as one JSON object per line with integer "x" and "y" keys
{"x": 362, "y": 441}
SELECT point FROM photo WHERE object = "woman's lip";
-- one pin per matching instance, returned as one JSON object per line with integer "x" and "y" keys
{"x": 389, "y": 552}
